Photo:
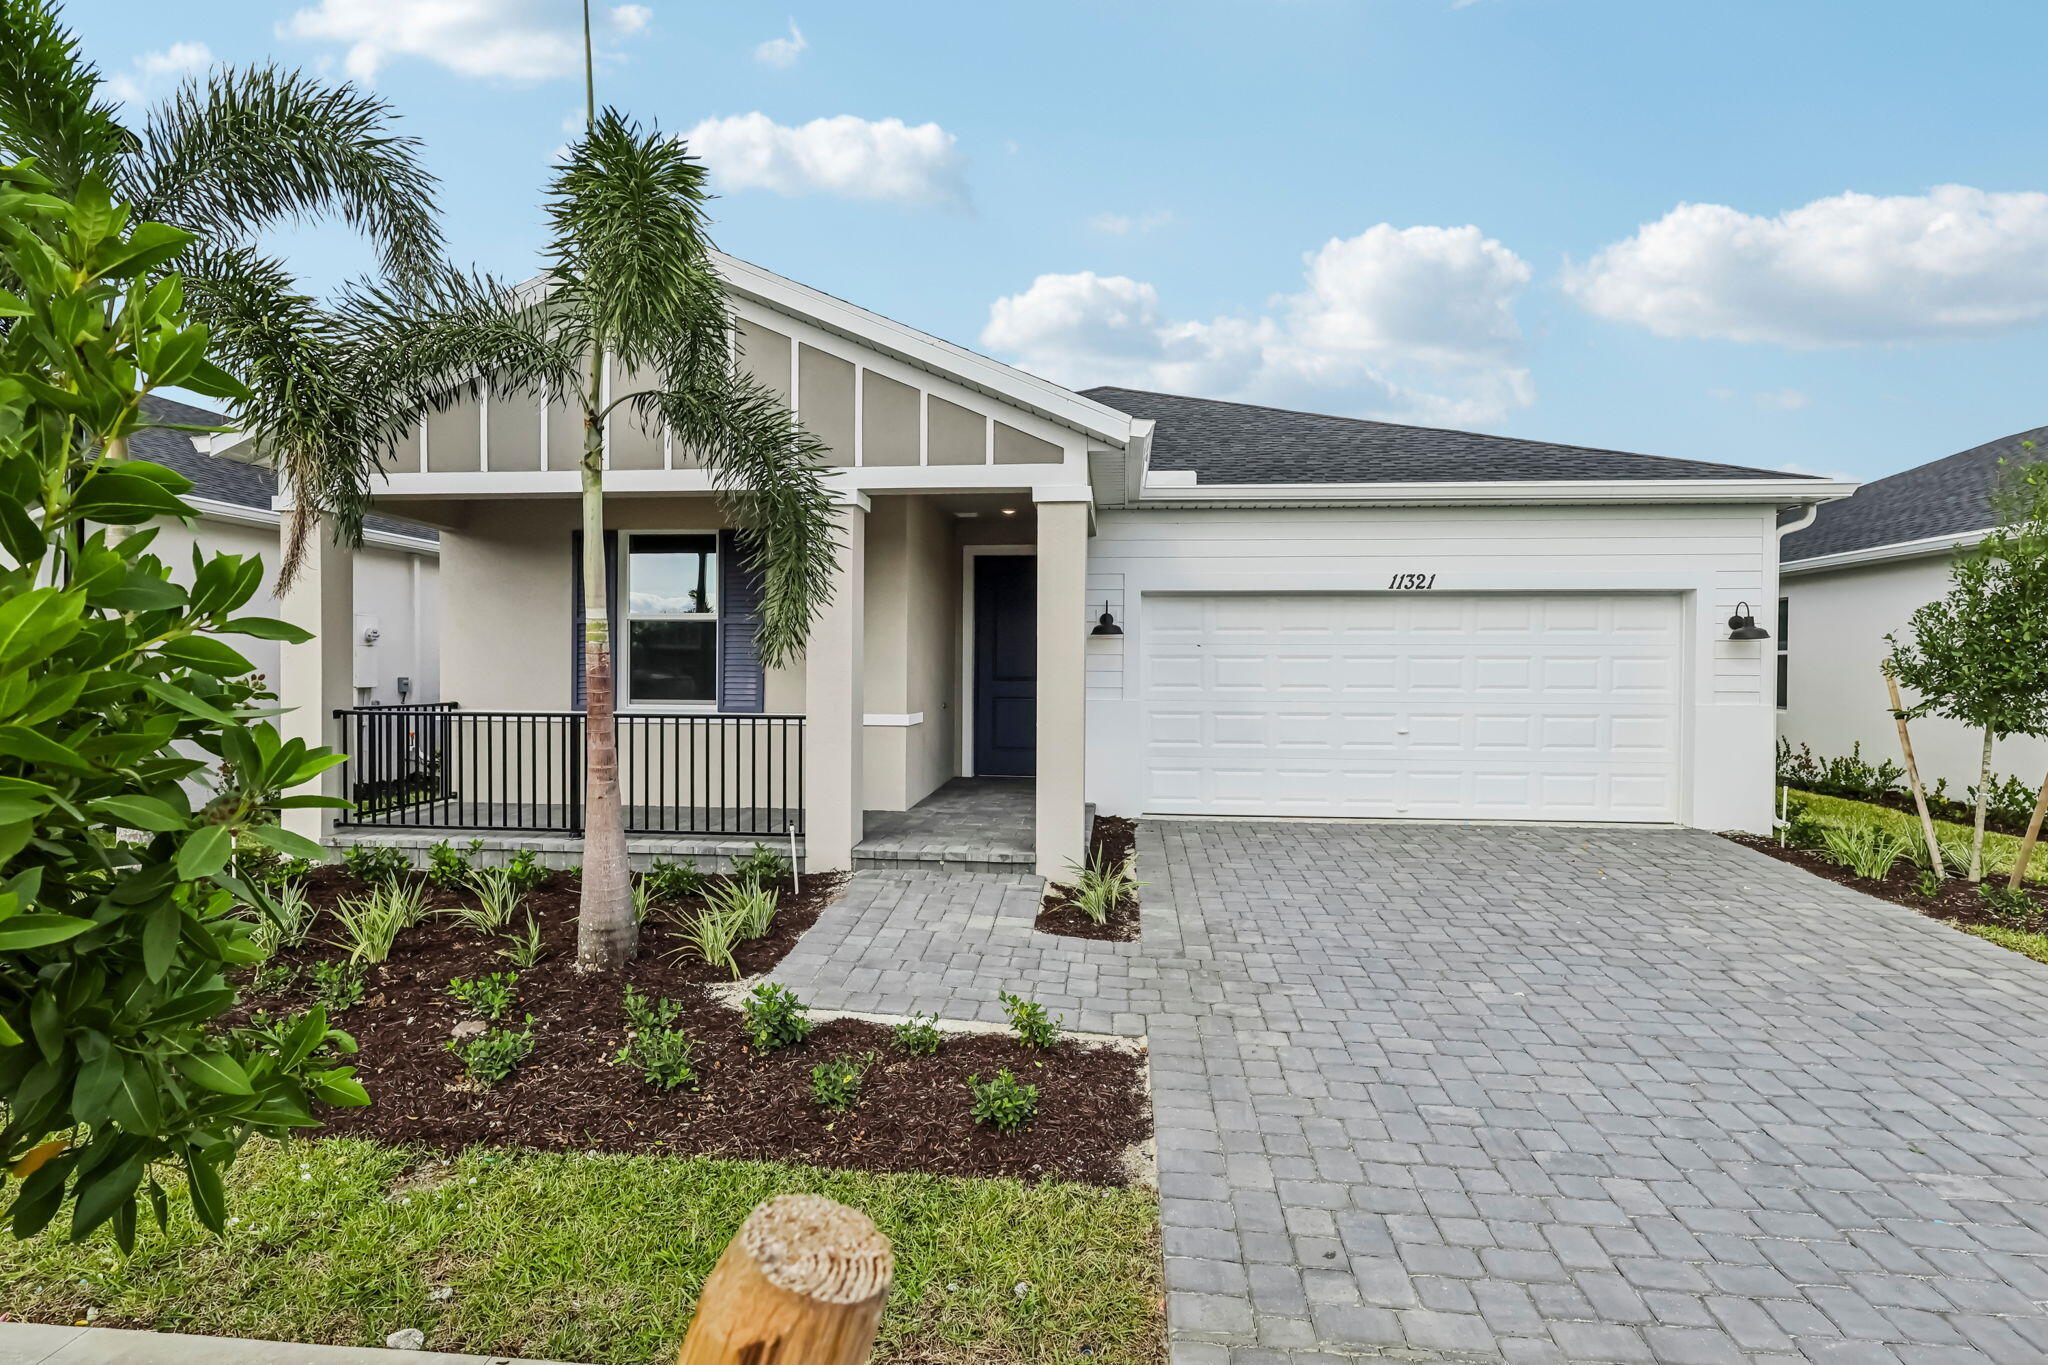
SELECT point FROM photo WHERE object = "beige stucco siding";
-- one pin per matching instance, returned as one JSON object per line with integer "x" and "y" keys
{"x": 1836, "y": 695}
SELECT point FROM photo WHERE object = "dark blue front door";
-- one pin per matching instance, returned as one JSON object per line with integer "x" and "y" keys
{"x": 1005, "y": 665}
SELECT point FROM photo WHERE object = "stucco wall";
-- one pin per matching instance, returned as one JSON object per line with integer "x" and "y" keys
{"x": 1836, "y": 696}
{"x": 399, "y": 589}
{"x": 1712, "y": 556}
{"x": 911, "y": 652}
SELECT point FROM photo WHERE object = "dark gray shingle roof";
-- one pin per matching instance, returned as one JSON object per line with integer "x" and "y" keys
{"x": 230, "y": 481}
{"x": 1944, "y": 497}
{"x": 1240, "y": 443}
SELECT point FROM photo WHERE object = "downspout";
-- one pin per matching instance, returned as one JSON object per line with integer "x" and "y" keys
{"x": 1805, "y": 520}
{"x": 1780, "y": 820}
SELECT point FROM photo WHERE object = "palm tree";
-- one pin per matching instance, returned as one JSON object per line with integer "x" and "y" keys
{"x": 629, "y": 281}
{"x": 226, "y": 157}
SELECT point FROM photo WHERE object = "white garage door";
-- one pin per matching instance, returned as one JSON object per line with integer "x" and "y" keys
{"x": 1507, "y": 706}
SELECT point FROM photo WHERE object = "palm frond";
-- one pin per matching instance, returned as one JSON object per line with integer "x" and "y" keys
{"x": 248, "y": 148}
{"x": 49, "y": 105}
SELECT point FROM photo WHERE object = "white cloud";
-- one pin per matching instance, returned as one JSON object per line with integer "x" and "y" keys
{"x": 1127, "y": 225}
{"x": 782, "y": 52}
{"x": 1415, "y": 324}
{"x": 154, "y": 69}
{"x": 1851, "y": 269}
{"x": 513, "y": 40}
{"x": 852, "y": 157}
{"x": 1778, "y": 400}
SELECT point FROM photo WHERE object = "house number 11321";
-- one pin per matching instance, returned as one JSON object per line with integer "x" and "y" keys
{"x": 1412, "y": 580}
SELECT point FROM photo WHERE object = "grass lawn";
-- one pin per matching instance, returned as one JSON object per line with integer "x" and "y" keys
{"x": 599, "y": 1258}
{"x": 1999, "y": 849}
{"x": 2024, "y": 941}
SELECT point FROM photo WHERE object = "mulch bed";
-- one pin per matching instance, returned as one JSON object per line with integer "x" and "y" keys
{"x": 1958, "y": 903}
{"x": 913, "y": 1112}
{"x": 1114, "y": 840}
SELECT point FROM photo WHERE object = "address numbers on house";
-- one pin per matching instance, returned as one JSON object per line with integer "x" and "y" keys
{"x": 1419, "y": 581}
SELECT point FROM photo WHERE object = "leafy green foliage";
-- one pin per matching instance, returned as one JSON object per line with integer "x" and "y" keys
{"x": 1029, "y": 1021}
{"x": 775, "y": 1018}
{"x": 495, "y": 1053}
{"x": 370, "y": 924}
{"x": 666, "y": 881}
{"x": 2014, "y": 908}
{"x": 761, "y": 864}
{"x": 1866, "y": 850}
{"x": 1928, "y": 883}
{"x": 487, "y": 997}
{"x": 1850, "y": 776}
{"x": 497, "y": 900}
{"x": 376, "y": 864}
{"x": 283, "y": 921}
{"x": 746, "y": 902}
{"x": 450, "y": 868}
{"x": 710, "y": 934}
{"x": 835, "y": 1084}
{"x": 1801, "y": 829}
{"x": 338, "y": 986}
{"x": 1102, "y": 886}
{"x": 523, "y": 947}
{"x": 115, "y": 689}
{"x": 525, "y": 870}
{"x": 1002, "y": 1102}
{"x": 919, "y": 1035}
{"x": 645, "y": 1016}
{"x": 664, "y": 1057}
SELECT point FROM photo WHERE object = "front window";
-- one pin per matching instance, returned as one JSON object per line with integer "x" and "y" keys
{"x": 670, "y": 591}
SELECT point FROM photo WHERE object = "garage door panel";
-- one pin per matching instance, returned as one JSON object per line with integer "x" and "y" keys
{"x": 1505, "y": 706}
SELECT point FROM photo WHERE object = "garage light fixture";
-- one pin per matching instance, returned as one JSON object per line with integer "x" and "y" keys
{"x": 1106, "y": 624}
{"x": 1743, "y": 626}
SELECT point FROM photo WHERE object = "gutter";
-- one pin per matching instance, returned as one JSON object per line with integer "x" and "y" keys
{"x": 213, "y": 509}
{"x": 1879, "y": 554}
{"x": 1172, "y": 491}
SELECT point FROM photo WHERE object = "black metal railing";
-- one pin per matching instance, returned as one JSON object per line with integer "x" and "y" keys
{"x": 440, "y": 767}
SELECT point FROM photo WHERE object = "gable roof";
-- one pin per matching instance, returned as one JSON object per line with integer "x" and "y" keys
{"x": 1945, "y": 497}
{"x": 222, "y": 480}
{"x": 1239, "y": 443}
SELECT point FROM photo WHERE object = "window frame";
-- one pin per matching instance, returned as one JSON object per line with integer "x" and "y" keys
{"x": 1784, "y": 652}
{"x": 623, "y": 647}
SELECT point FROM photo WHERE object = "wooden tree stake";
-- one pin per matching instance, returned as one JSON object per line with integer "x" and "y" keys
{"x": 2026, "y": 854}
{"x": 1913, "y": 775}
{"x": 801, "y": 1283}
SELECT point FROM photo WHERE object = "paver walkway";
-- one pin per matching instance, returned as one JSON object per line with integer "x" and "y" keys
{"x": 1447, "y": 1092}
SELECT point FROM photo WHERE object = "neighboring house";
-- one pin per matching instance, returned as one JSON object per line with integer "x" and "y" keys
{"x": 1854, "y": 576}
{"x": 1307, "y": 616}
{"x": 394, "y": 573}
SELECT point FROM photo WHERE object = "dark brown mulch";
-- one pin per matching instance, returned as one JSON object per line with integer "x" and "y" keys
{"x": 1114, "y": 840}
{"x": 913, "y": 1113}
{"x": 1957, "y": 904}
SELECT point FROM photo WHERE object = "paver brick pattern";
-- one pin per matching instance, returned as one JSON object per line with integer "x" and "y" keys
{"x": 1536, "y": 1095}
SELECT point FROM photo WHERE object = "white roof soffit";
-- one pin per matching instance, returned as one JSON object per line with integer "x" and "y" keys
{"x": 925, "y": 351}
{"x": 1181, "y": 487}
{"x": 1878, "y": 554}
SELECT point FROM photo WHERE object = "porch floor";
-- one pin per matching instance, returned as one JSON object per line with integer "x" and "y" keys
{"x": 986, "y": 823}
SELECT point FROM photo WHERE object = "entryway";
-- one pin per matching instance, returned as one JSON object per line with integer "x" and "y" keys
{"x": 1005, "y": 663}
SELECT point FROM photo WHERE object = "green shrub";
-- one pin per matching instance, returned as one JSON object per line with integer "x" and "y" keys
{"x": 525, "y": 871}
{"x": 646, "y": 1015}
{"x": 370, "y": 925}
{"x": 495, "y": 1053}
{"x": 1867, "y": 850}
{"x": 284, "y": 922}
{"x": 775, "y": 1018}
{"x": 919, "y": 1035}
{"x": 523, "y": 947}
{"x": 666, "y": 881}
{"x": 1929, "y": 884}
{"x": 749, "y": 903}
{"x": 450, "y": 870}
{"x": 835, "y": 1085}
{"x": 1800, "y": 829}
{"x": 761, "y": 864}
{"x": 487, "y": 997}
{"x": 498, "y": 896}
{"x": 337, "y": 986}
{"x": 710, "y": 935}
{"x": 1029, "y": 1021}
{"x": 2010, "y": 906}
{"x": 1851, "y": 776}
{"x": 1001, "y": 1102}
{"x": 664, "y": 1057}
{"x": 376, "y": 864}
{"x": 1101, "y": 887}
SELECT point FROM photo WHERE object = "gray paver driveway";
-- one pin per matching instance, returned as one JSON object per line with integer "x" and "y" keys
{"x": 1540, "y": 1094}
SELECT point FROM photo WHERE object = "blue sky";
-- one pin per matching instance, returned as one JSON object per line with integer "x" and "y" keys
{"x": 1791, "y": 234}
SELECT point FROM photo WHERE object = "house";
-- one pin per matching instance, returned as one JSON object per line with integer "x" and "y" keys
{"x": 1052, "y": 602}
{"x": 1854, "y": 576}
{"x": 395, "y": 653}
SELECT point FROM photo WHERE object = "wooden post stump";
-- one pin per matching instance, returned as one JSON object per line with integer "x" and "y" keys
{"x": 801, "y": 1283}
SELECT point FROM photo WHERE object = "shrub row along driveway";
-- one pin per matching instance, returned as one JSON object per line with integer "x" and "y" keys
{"x": 1546, "y": 1095}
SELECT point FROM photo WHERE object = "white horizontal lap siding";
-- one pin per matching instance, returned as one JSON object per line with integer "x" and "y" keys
{"x": 1710, "y": 557}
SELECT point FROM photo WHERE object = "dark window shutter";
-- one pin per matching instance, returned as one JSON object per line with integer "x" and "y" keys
{"x": 741, "y": 686}
{"x": 611, "y": 597}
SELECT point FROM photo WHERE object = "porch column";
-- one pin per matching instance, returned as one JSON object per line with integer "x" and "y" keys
{"x": 1062, "y": 669}
{"x": 834, "y": 708}
{"x": 318, "y": 677}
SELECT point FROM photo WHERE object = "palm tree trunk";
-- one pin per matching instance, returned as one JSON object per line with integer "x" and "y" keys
{"x": 606, "y": 935}
{"x": 1983, "y": 804}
